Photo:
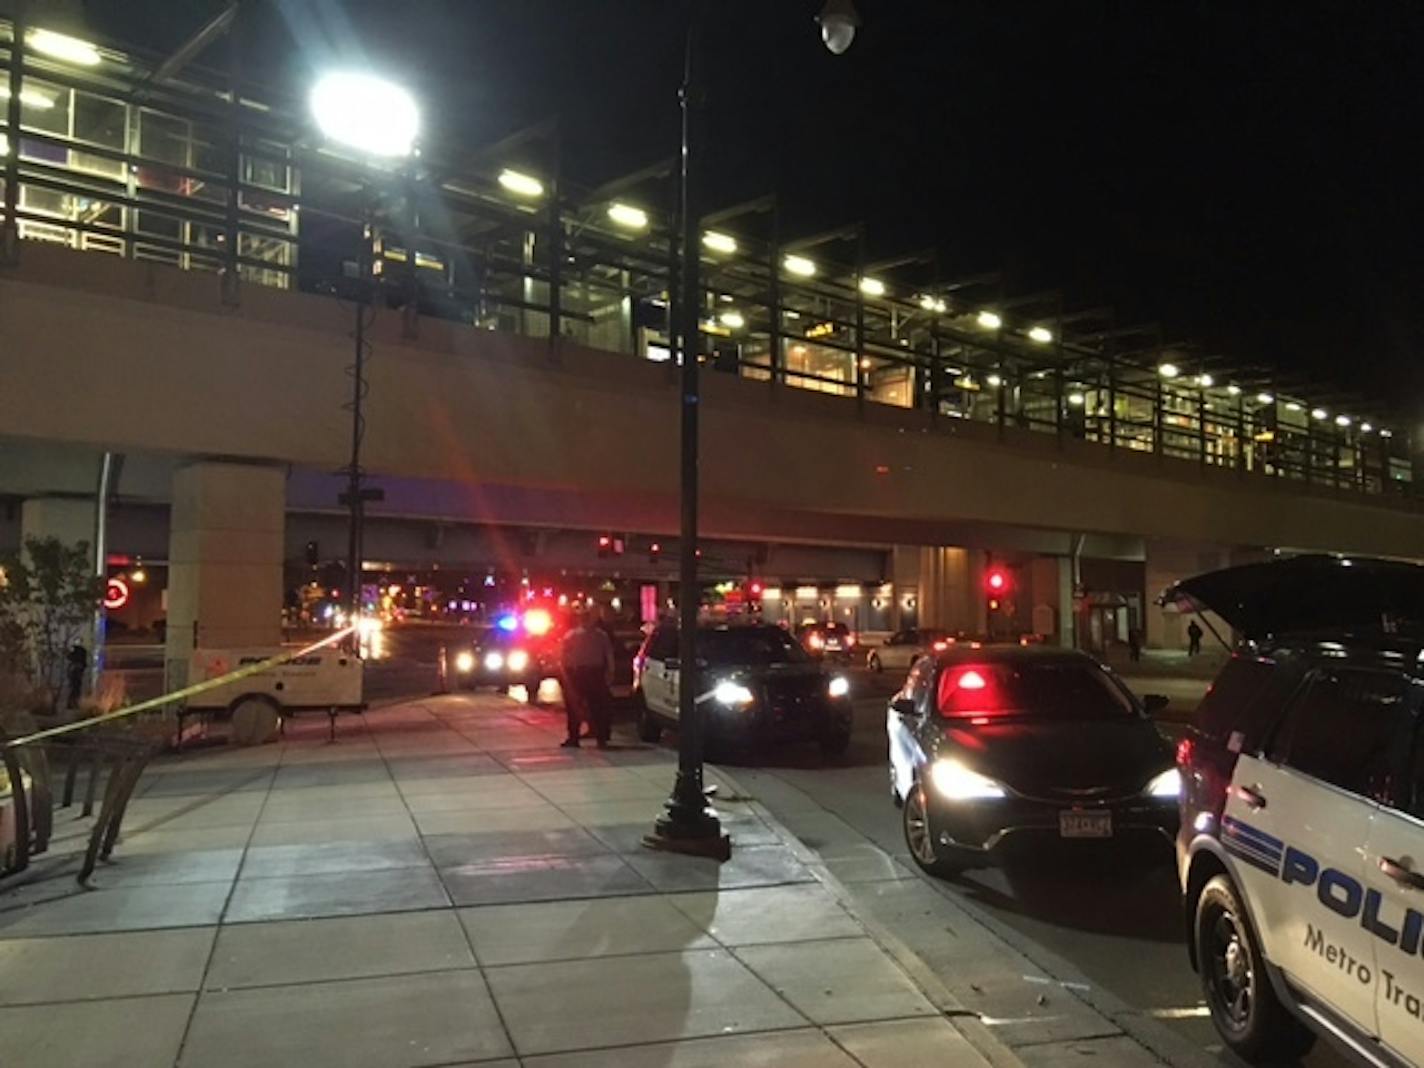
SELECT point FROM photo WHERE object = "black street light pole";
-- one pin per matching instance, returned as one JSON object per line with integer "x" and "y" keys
{"x": 689, "y": 824}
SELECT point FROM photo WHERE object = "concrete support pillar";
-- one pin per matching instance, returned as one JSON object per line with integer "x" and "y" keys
{"x": 1050, "y": 605}
{"x": 225, "y": 559}
{"x": 1170, "y": 560}
{"x": 948, "y": 582}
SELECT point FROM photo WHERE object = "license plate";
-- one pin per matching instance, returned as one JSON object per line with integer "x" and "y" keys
{"x": 1085, "y": 824}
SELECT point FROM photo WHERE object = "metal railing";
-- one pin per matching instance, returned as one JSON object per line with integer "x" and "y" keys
{"x": 210, "y": 174}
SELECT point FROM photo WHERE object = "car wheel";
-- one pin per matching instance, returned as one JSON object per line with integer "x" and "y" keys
{"x": 649, "y": 729}
{"x": 1243, "y": 1003}
{"x": 874, "y": 664}
{"x": 931, "y": 857}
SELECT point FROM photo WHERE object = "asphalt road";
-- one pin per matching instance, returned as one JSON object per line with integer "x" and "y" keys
{"x": 1111, "y": 911}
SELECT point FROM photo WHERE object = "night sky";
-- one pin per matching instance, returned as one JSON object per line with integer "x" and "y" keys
{"x": 1244, "y": 173}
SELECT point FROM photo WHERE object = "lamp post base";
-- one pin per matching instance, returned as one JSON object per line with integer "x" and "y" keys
{"x": 690, "y": 824}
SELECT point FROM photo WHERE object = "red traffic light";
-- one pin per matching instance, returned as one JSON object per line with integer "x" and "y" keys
{"x": 756, "y": 589}
{"x": 604, "y": 541}
{"x": 996, "y": 581}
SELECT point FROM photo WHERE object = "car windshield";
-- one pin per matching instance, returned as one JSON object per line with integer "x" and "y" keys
{"x": 749, "y": 646}
{"x": 1053, "y": 690}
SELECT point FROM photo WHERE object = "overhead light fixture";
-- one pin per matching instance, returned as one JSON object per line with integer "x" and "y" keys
{"x": 1205, "y": 381}
{"x": 1041, "y": 334}
{"x": 1292, "y": 406}
{"x": 1265, "y": 398}
{"x": 720, "y": 242}
{"x": 1168, "y": 370}
{"x": 1077, "y": 399}
{"x": 931, "y": 303}
{"x": 1234, "y": 390}
{"x": 995, "y": 381}
{"x": 799, "y": 265}
{"x": 1386, "y": 433}
{"x": 1318, "y": 413}
{"x": 627, "y": 215}
{"x": 872, "y": 287}
{"x": 989, "y": 320}
{"x": 838, "y": 21}
{"x": 63, "y": 47}
{"x": 1365, "y": 428}
{"x": 366, "y": 113}
{"x": 1342, "y": 420}
{"x": 733, "y": 319}
{"x": 524, "y": 185}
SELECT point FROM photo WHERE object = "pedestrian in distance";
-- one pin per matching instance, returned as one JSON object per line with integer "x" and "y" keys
{"x": 76, "y": 662}
{"x": 1194, "y": 637}
{"x": 1134, "y": 644}
{"x": 587, "y": 660}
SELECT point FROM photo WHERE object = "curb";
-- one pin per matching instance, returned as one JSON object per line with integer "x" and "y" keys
{"x": 963, "y": 1019}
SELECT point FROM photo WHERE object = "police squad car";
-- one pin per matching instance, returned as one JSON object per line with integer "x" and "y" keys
{"x": 1301, "y": 849}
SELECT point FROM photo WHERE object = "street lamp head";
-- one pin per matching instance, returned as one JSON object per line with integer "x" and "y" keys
{"x": 839, "y": 22}
{"x": 367, "y": 113}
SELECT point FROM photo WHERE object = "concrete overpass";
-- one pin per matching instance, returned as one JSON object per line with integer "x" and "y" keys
{"x": 243, "y": 400}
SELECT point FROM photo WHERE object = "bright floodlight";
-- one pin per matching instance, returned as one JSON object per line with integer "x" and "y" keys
{"x": 838, "y": 24}
{"x": 1168, "y": 370}
{"x": 872, "y": 287}
{"x": 1077, "y": 399}
{"x": 1234, "y": 390}
{"x": 1265, "y": 398}
{"x": 524, "y": 185}
{"x": 720, "y": 242}
{"x": 1342, "y": 420}
{"x": 1041, "y": 334}
{"x": 366, "y": 113}
{"x": 62, "y": 47}
{"x": 989, "y": 320}
{"x": 1205, "y": 381}
{"x": 627, "y": 215}
{"x": 995, "y": 381}
{"x": 1365, "y": 428}
{"x": 1318, "y": 413}
{"x": 733, "y": 320}
{"x": 799, "y": 265}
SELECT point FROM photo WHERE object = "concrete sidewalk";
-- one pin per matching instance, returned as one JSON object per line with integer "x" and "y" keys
{"x": 441, "y": 886}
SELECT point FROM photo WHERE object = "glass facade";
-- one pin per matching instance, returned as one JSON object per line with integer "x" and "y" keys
{"x": 178, "y": 173}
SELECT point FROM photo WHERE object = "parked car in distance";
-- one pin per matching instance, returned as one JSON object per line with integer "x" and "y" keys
{"x": 900, "y": 651}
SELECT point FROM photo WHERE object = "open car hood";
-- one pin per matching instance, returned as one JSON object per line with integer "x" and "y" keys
{"x": 1308, "y": 593}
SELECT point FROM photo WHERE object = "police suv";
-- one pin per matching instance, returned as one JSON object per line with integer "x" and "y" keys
{"x": 1301, "y": 849}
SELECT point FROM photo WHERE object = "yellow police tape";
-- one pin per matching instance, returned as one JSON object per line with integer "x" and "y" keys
{"x": 179, "y": 695}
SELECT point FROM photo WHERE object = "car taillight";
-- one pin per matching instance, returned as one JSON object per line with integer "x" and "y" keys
{"x": 940, "y": 647}
{"x": 850, "y": 641}
{"x": 1185, "y": 751}
{"x": 815, "y": 641}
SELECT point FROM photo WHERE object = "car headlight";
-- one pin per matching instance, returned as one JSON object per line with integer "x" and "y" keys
{"x": 838, "y": 686}
{"x": 957, "y": 783}
{"x": 518, "y": 660}
{"x": 464, "y": 661}
{"x": 731, "y": 694}
{"x": 494, "y": 661}
{"x": 1168, "y": 784}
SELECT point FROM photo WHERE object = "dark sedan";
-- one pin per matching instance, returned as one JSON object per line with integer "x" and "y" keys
{"x": 1005, "y": 741}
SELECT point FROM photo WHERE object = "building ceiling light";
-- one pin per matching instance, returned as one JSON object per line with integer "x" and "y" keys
{"x": 627, "y": 215}
{"x": 1342, "y": 420}
{"x": 31, "y": 98}
{"x": 1205, "y": 381}
{"x": 1234, "y": 390}
{"x": 1168, "y": 370}
{"x": 872, "y": 287}
{"x": 524, "y": 185}
{"x": 720, "y": 242}
{"x": 1318, "y": 413}
{"x": 1041, "y": 334}
{"x": 733, "y": 319}
{"x": 1293, "y": 406}
{"x": 989, "y": 320}
{"x": 995, "y": 381}
{"x": 1265, "y": 398}
{"x": 63, "y": 47}
{"x": 1077, "y": 399}
{"x": 799, "y": 265}
{"x": 1365, "y": 428}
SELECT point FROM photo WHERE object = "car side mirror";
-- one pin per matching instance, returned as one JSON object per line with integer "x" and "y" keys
{"x": 1155, "y": 702}
{"x": 903, "y": 706}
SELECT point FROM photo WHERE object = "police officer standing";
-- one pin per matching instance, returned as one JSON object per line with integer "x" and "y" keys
{"x": 587, "y": 660}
